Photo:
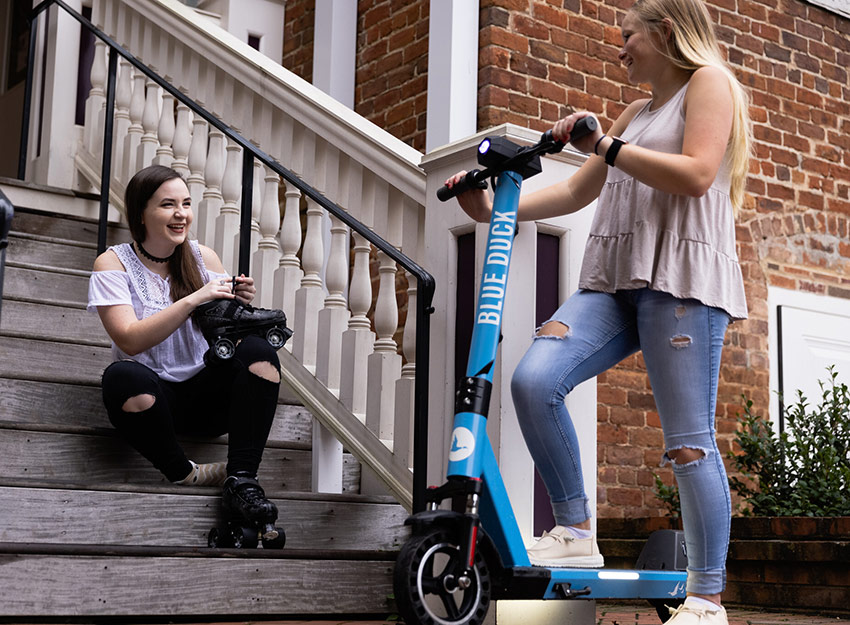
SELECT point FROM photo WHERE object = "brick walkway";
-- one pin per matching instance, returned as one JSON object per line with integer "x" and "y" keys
{"x": 639, "y": 614}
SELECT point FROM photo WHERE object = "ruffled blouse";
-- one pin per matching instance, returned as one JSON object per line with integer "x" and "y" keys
{"x": 681, "y": 245}
{"x": 181, "y": 355}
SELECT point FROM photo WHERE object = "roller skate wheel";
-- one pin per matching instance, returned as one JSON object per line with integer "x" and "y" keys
{"x": 214, "y": 538}
{"x": 276, "y": 337}
{"x": 224, "y": 349}
{"x": 244, "y": 537}
{"x": 277, "y": 542}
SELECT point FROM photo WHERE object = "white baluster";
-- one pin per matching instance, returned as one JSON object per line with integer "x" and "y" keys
{"x": 93, "y": 132}
{"x": 287, "y": 278}
{"x": 134, "y": 133}
{"x": 165, "y": 131}
{"x": 406, "y": 385}
{"x": 256, "y": 206}
{"x": 310, "y": 297}
{"x": 196, "y": 161}
{"x": 123, "y": 94}
{"x": 210, "y": 206}
{"x": 358, "y": 340}
{"x": 267, "y": 258}
{"x": 182, "y": 141}
{"x": 227, "y": 223}
{"x": 150, "y": 121}
{"x": 384, "y": 362}
{"x": 333, "y": 318}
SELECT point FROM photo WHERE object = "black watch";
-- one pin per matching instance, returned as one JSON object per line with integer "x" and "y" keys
{"x": 614, "y": 149}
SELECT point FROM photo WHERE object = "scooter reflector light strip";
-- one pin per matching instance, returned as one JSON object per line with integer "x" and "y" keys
{"x": 623, "y": 575}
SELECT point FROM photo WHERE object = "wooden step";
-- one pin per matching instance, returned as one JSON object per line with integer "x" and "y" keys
{"x": 53, "y": 321}
{"x": 81, "y": 459}
{"x": 45, "y": 515}
{"x": 72, "y": 228}
{"x": 163, "y": 582}
{"x": 49, "y": 406}
{"x": 28, "y": 358}
{"x": 63, "y": 253}
{"x": 34, "y": 282}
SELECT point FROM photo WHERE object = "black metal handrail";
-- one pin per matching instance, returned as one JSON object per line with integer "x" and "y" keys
{"x": 7, "y": 212}
{"x": 425, "y": 284}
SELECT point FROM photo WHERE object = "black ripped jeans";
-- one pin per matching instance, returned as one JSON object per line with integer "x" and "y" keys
{"x": 224, "y": 398}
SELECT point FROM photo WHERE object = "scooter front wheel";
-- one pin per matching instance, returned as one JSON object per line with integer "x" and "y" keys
{"x": 426, "y": 584}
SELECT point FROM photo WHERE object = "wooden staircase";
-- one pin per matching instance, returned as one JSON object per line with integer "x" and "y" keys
{"x": 89, "y": 529}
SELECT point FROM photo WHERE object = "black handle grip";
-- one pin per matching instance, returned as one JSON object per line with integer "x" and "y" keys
{"x": 584, "y": 126}
{"x": 468, "y": 182}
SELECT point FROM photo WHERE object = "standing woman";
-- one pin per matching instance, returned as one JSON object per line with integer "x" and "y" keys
{"x": 158, "y": 387}
{"x": 660, "y": 275}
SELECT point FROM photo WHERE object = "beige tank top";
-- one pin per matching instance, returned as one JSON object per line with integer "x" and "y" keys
{"x": 643, "y": 237}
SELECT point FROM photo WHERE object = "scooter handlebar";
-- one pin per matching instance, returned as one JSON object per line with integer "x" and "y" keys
{"x": 584, "y": 126}
{"x": 468, "y": 182}
{"x": 547, "y": 143}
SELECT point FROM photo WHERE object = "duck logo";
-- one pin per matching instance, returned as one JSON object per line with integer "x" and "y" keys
{"x": 463, "y": 444}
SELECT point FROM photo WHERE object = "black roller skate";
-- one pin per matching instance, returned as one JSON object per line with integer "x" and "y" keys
{"x": 249, "y": 517}
{"x": 224, "y": 322}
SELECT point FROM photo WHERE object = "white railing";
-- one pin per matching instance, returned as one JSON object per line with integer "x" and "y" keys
{"x": 344, "y": 360}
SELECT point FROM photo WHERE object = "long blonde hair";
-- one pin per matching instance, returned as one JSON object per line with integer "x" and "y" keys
{"x": 693, "y": 44}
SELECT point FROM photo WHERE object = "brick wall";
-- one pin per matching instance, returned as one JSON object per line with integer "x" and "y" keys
{"x": 299, "y": 16}
{"x": 539, "y": 59}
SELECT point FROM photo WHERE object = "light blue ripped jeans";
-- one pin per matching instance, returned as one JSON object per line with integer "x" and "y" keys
{"x": 681, "y": 342}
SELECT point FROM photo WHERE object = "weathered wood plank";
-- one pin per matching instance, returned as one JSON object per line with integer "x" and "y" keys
{"x": 28, "y": 359}
{"x": 37, "y": 585}
{"x": 80, "y": 459}
{"x": 68, "y": 407}
{"x": 38, "y": 515}
{"x": 53, "y": 253}
{"x": 60, "y": 322}
{"x": 65, "y": 227}
{"x": 37, "y": 284}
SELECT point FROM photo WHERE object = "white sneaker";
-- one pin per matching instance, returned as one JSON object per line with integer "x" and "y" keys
{"x": 691, "y": 613}
{"x": 559, "y": 548}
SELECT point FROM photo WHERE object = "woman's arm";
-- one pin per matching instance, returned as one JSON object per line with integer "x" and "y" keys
{"x": 564, "y": 197}
{"x": 708, "y": 124}
{"x": 134, "y": 335}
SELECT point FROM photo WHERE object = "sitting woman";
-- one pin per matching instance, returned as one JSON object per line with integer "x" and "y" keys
{"x": 159, "y": 385}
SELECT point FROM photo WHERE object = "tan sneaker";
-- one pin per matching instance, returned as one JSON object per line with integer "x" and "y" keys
{"x": 691, "y": 614}
{"x": 559, "y": 548}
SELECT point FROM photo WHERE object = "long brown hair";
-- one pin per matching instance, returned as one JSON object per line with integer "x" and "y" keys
{"x": 182, "y": 265}
{"x": 695, "y": 45}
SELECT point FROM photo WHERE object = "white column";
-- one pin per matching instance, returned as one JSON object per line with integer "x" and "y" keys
{"x": 452, "y": 71}
{"x": 335, "y": 47}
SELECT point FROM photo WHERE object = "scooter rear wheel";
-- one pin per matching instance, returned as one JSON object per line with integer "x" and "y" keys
{"x": 426, "y": 590}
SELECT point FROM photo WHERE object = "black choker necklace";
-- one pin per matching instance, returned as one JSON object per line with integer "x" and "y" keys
{"x": 155, "y": 259}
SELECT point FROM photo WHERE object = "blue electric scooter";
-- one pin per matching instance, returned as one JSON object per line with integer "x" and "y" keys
{"x": 458, "y": 560}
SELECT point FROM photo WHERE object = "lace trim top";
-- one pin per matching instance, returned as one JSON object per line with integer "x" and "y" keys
{"x": 181, "y": 355}
{"x": 681, "y": 245}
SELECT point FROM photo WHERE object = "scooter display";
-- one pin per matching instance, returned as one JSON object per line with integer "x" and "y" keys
{"x": 458, "y": 560}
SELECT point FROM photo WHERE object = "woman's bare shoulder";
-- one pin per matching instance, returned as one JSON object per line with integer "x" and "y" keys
{"x": 108, "y": 261}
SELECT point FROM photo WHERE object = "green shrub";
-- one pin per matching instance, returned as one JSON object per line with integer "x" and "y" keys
{"x": 804, "y": 471}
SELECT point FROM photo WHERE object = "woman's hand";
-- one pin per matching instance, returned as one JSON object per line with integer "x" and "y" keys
{"x": 220, "y": 288}
{"x": 562, "y": 129}
{"x": 474, "y": 202}
{"x": 244, "y": 289}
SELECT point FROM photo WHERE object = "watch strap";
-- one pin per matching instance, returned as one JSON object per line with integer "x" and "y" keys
{"x": 613, "y": 150}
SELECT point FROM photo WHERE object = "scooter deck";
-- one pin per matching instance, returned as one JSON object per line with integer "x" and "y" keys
{"x": 617, "y": 584}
